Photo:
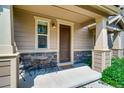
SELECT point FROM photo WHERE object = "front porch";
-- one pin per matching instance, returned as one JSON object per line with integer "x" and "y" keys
{"x": 40, "y": 30}
{"x": 67, "y": 47}
{"x": 27, "y": 80}
{"x": 65, "y": 37}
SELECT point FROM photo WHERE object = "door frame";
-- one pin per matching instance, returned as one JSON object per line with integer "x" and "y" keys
{"x": 71, "y": 24}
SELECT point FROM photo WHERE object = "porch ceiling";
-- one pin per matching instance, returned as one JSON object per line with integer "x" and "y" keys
{"x": 57, "y": 12}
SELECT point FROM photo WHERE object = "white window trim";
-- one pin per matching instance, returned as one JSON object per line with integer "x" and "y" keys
{"x": 36, "y": 33}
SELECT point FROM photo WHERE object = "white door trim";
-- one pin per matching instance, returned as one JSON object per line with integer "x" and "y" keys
{"x": 71, "y": 24}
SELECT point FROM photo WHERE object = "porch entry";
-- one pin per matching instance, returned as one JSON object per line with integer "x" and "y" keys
{"x": 65, "y": 43}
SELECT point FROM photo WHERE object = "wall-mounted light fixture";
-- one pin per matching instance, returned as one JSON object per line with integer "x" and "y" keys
{"x": 53, "y": 24}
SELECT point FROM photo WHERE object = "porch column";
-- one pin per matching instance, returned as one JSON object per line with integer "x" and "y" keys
{"x": 8, "y": 58}
{"x": 101, "y": 55}
{"x": 117, "y": 46}
{"x": 5, "y": 30}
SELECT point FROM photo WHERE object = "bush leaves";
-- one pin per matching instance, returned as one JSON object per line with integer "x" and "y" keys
{"x": 114, "y": 75}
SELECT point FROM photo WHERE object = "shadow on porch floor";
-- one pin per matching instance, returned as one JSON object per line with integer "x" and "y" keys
{"x": 29, "y": 80}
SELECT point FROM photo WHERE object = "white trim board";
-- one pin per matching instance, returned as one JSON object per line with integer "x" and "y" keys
{"x": 63, "y": 64}
{"x": 83, "y": 49}
{"x": 36, "y": 34}
{"x": 37, "y": 50}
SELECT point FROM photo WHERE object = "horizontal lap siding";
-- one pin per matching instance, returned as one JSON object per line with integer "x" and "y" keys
{"x": 83, "y": 39}
{"x": 4, "y": 73}
{"x": 24, "y": 26}
{"x": 5, "y": 63}
{"x": 4, "y": 70}
{"x": 5, "y": 81}
{"x": 53, "y": 38}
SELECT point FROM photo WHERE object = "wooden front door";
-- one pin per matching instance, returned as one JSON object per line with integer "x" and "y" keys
{"x": 65, "y": 35}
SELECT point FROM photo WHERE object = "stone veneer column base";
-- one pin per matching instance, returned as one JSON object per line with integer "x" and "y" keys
{"x": 101, "y": 59}
{"x": 117, "y": 53}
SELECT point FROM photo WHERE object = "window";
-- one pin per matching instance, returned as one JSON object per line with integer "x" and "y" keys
{"x": 42, "y": 32}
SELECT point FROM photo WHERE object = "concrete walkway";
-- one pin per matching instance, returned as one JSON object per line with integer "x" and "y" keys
{"x": 97, "y": 84}
{"x": 67, "y": 78}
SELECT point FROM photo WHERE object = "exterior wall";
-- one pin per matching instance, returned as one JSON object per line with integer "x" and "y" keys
{"x": 24, "y": 25}
{"x": 25, "y": 33}
{"x": 82, "y": 56}
{"x": 83, "y": 39}
{"x": 48, "y": 54}
{"x": 83, "y": 44}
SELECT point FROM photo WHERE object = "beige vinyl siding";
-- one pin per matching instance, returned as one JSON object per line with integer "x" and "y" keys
{"x": 83, "y": 39}
{"x": 24, "y": 27}
{"x": 4, "y": 73}
{"x": 53, "y": 38}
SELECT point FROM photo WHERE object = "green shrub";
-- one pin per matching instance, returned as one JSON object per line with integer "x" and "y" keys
{"x": 114, "y": 75}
